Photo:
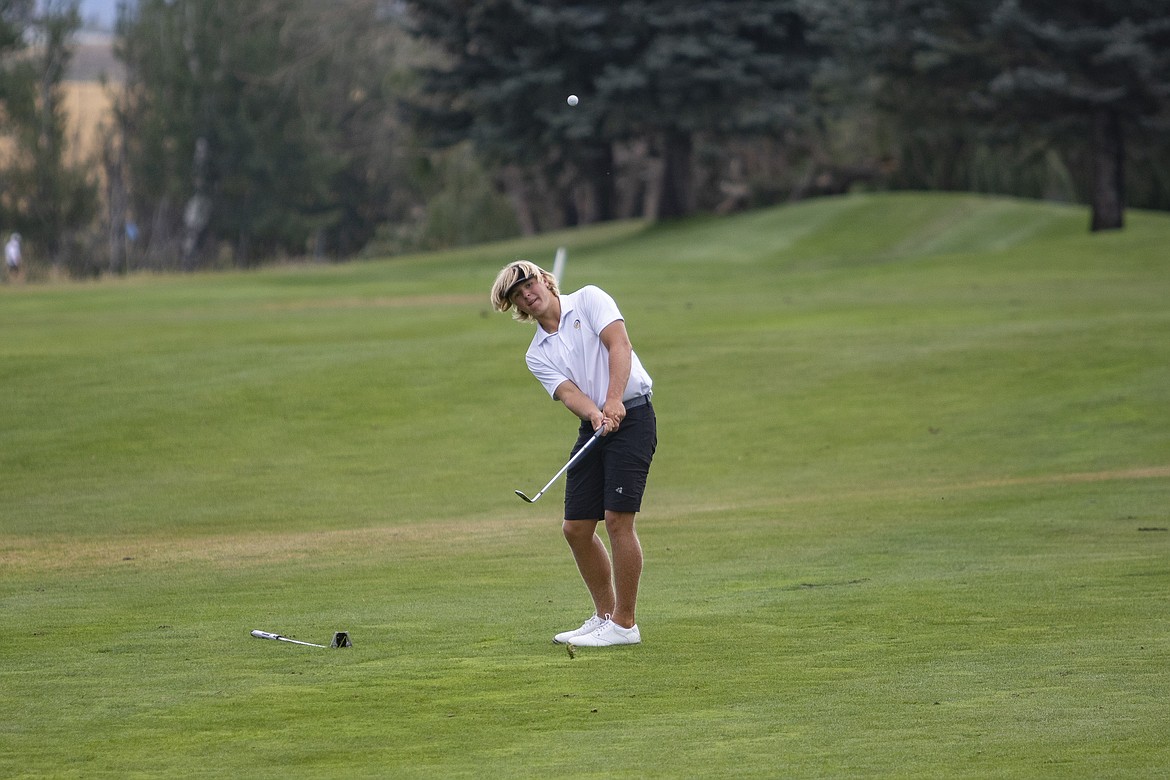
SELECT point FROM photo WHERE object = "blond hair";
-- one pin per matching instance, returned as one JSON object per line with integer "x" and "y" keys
{"x": 513, "y": 274}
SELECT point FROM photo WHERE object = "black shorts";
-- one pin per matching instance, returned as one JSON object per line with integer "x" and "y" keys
{"x": 612, "y": 474}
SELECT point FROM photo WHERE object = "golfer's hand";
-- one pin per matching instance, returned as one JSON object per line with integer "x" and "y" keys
{"x": 598, "y": 421}
{"x": 613, "y": 414}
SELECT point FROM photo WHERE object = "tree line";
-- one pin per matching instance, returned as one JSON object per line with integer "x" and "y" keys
{"x": 245, "y": 132}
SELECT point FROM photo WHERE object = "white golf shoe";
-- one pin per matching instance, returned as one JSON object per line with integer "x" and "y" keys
{"x": 587, "y": 627}
{"x": 608, "y": 634}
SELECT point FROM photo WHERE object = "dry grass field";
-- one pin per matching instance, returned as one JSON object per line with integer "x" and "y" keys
{"x": 87, "y": 99}
{"x": 87, "y": 105}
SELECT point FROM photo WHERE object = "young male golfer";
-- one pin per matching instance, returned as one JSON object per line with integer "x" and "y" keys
{"x": 582, "y": 355}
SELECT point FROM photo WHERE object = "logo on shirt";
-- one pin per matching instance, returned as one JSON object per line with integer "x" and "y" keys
{"x": 577, "y": 325}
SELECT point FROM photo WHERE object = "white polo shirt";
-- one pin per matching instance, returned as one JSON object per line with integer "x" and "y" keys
{"x": 575, "y": 351}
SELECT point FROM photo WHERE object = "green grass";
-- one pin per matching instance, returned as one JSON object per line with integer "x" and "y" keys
{"x": 912, "y": 448}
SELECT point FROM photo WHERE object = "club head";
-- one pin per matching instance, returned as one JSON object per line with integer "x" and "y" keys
{"x": 526, "y": 498}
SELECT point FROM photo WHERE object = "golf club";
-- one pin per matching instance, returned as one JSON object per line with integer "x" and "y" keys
{"x": 572, "y": 460}
{"x": 279, "y": 638}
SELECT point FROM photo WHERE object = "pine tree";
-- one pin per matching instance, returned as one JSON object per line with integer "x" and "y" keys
{"x": 662, "y": 72}
{"x": 42, "y": 195}
{"x": 1102, "y": 67}
{"x": 1081, "y": 75}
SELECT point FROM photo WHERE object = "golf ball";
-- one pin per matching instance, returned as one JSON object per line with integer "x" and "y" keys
{"x": 572, "y": 100}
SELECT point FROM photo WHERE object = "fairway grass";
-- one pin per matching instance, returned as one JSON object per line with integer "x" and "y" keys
{"x": 908, "y": 518}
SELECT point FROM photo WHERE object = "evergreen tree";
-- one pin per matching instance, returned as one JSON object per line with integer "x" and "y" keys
{"x": 1101, "y": 68}
{"x": 1082, "y": 76}
{"x": 717, "y": 69}
{"x": 506, "y": 70}
{"x": 658, "y": 71}
{"x": 16, "y": 21}
{"x": 42, "y": 196}
{"x": 17, "y": 100}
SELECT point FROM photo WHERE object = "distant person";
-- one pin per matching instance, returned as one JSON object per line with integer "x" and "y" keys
{"x": 12, "y": 256}
{"x": 582, "y": 356}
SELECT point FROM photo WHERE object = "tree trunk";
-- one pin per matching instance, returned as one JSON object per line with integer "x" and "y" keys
{"x": 114, "y": 164}
{"x": 517, "y": 191}
{"x": 197, "y": 214}
{"x": 675, "y": 198}
{"x": 1108, "y": 171}
{"x": 602, "y": 190}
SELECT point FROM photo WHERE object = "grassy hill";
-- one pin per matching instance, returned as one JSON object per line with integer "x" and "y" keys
{"x": 908, "y": 515}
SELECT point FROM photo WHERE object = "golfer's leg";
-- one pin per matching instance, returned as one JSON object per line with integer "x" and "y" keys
{"x": 627, "y": 565}
{"x": 592, "y": 561}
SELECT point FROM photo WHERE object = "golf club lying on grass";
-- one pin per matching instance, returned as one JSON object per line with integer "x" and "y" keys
{"x": 572, "y": 460}
{"x": 340, "y": 639}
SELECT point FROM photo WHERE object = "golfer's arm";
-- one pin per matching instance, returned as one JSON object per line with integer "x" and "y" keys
{"x": 578, "y": 403}
{"x": 617, "y": 342}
